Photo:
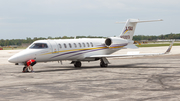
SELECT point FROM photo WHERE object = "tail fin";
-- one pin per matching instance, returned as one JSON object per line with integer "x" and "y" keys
{"x": 130, "y": 26}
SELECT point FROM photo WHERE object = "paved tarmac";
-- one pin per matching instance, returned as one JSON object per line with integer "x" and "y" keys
{"x": 152, "y": 78}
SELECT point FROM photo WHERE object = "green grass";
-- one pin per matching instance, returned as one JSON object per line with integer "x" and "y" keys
{"x": 157, "y": 45}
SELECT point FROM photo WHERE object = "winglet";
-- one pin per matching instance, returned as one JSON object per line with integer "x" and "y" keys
{"x": 170, "y": 47}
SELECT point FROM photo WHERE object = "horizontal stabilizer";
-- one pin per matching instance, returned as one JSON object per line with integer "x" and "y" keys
{"x": 140, "y": 21}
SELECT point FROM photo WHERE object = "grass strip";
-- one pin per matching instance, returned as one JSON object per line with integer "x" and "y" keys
{"x": 157, "y": 45}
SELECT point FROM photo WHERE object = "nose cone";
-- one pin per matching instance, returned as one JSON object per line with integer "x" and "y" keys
{"x": 12, "y": 59}
{"x": 17, "y": 58}
{"x": 22, "y": 56}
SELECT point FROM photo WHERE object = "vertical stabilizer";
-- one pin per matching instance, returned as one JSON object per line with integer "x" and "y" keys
{"x": 130, "y": 27}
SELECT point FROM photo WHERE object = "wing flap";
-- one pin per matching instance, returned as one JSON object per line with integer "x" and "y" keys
{"x": 131, "y": 46}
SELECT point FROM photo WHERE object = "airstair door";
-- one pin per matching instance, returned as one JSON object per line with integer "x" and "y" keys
{"x": 54, "y": 46}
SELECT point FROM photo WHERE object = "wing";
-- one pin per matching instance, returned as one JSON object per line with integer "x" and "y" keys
{"x": 136, "y": 54}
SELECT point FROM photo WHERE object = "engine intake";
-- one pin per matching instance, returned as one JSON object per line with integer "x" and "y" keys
{"x": 115, "y": 41}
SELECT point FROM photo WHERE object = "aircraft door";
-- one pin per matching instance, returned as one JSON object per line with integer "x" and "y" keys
{"x": 54, "y": 46}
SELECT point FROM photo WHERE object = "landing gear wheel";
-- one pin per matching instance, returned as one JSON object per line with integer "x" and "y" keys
{"x": 102, "y": 64}
{"x": 24, "y": 69}
{"x": 77, "y": 64}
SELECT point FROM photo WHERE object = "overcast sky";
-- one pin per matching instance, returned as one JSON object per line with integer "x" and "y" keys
{"x": 42, "y": 18}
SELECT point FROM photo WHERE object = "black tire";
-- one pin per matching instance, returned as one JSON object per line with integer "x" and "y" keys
{"x": 26, "y": 69}
{"x": 77, "y": 64}
{"x": 102, "y": 64}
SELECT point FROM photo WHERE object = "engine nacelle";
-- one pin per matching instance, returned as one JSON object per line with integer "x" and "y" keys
{"x": 115, "y": 41}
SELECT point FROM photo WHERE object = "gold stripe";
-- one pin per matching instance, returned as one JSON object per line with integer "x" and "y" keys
{"x": 82, "y": 49}
{"x": 125, "y": 31}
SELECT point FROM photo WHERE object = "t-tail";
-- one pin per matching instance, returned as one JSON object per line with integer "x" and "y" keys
{"x": 130, "y": 27}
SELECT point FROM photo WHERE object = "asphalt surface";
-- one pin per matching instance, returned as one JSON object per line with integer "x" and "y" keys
{"x": 152, "y": 78}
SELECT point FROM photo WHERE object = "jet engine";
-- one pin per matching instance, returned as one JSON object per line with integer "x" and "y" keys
{"x": 115, "y": 41}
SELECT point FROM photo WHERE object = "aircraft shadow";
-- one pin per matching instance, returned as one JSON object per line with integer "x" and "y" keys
{"x": 70, "y": 68}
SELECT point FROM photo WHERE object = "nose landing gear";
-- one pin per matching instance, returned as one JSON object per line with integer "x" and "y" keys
{"x": 25, "y": 70}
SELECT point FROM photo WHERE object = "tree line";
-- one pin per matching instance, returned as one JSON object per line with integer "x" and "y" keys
{"x": 153, "y": 37}
{"x": 18, "y": 42}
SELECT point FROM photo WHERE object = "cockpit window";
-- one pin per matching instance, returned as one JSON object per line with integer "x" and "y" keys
{"x": 39, "y": 46}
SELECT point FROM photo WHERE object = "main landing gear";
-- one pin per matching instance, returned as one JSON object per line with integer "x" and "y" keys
{"x": 104, "y": 62}
{"x": 76, "y": 63}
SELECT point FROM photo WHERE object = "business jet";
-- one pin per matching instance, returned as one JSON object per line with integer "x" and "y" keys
{"x": 85, "y": 49}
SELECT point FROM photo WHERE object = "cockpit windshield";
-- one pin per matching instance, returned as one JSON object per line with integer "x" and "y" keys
{"x": 38, "y": 46}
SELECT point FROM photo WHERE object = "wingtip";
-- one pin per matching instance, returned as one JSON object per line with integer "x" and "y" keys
{"x": 170, "y": 47}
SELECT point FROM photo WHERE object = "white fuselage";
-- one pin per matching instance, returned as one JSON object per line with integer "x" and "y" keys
{"x": 78, "y": 50}
{"x": 64, "y": 49}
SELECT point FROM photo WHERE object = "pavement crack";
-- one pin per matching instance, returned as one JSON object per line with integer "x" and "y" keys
{"x": 165, "y": 81}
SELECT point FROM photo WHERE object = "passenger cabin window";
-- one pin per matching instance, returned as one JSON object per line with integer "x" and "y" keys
{"x": 91, "y": 44}
{"x": 65, "y": 45}
{"x": 75, "y": 45}
{"x": 39, "y": 46}
{"x": 87, "y": 44}
{"x": 60, "y": 46}
{"x": 79, "y": 44}
{"x": 83, "y": 44}
{"x": 70, "y": 45}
